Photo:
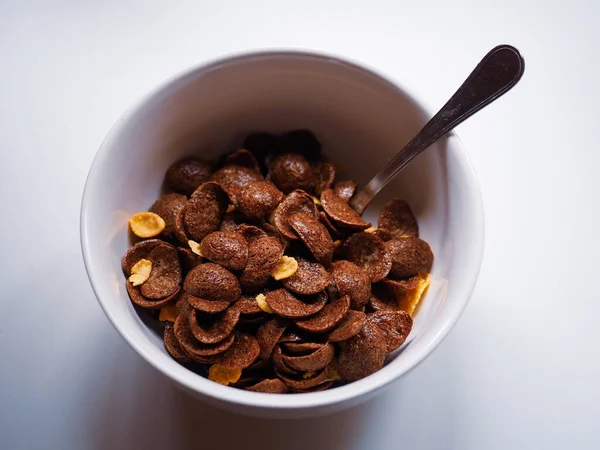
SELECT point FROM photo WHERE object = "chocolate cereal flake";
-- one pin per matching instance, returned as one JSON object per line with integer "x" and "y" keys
{"x": 297, "y": 202}
{"x": 137, "y": 298}
{"x": 188, "y": 259}
{"x": 351, "y": 280}
{"x": 328, "y": 318}
{"x": 369, "y": 252}
{"x": 138, "y": 251}
{"x": 196, "y": 349}
{"x": 286, "y": 305}
{"x": 167, "y": 207}
{"x": 279, "y": 365}
{"x": 315, "y": 236}
{"x": 363, "y": 354}
{"x": 212, "y": 282}
{"x": 226, "y": 248}
{"x": 301, "y": 383}
{"x": 395, "y": 325}
{"x": 397, "y": 218}
{"x": 165, "y": 277}
{"x": 312, "y": 362}
{"x": 309, "y": 279}
{"x": 172, "y": 345}
{"x": 301, "y": 348}
{"x": 257, "y": 200}
{"x": 324, "y": 171}
{"x": 345, "y": 189}
{"x": 269, "y": 334}
{"x": 350, "y": 326}
{"x": 269, "y": 386}
{"x": 207, "y": 306}
{"x": 186, "y": 175}
{"x": 341, "y": 213}
{"x": 238, "y": 176}
{"x": 204, "y": 211}
{"x": 410, "y": 256}
{"x": 241, "y": 354}
{"x": 263, "y": 256}
{"x": 291, "y": 171}
{"x": 251, "y": 233}
{"x": 213, "y": 328}
{"x": 247, "y": 305}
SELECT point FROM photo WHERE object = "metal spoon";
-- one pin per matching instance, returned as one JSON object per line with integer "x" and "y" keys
{"x": 495, "y": 75}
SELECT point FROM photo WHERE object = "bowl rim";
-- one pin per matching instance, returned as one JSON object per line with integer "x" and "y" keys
{"x": 361, "y": 388}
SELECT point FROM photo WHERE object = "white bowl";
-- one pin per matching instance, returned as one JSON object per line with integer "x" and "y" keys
{"x": 361, "y": 118}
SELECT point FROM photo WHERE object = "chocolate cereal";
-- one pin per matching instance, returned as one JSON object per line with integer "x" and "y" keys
{"x": 291, "y": 171}
{"x": 395, "y": 325}
{"x": 212, "y": 328}
{"x": 297, "y": 202}
{"x": 410, "y": 256}
{"x": 341, "y": 213}
{"x": 363, "y": 354}
{"x": 314, "y": 235}
{"x": 263, "y": 256}
{"x": 212, "y": 282}
{"x": 203, "y": 213}
{"x": 350, "y": 326}
{"x": 369, "y": 252}
{"x": 235, "y": 176}
{"x": 172, "y": 345}
{"x": 165, "y": 277}
{"x": 312, "y": 362}
{"x": 277, "y": 285}
{"x": 138, "y": 251}
{"x": 397, "y": 218}
{"x": 269, "y": 334}
{"x": 287, "y": 305}
{"x": 167, "y": 207}
{"x": 241, "y": 354}
{"x": 207, "y": 306}
{"x": 269, "y": 386}
{"x": 345, "y": 189}
{"x": 138, "y": 299}
{"x": 326, "y": 319}
{"x": 226, "y": 248}
{"x": 310, "y": 278}
{"x": 257, "y": 199}
{"x": 349, "y": 279}
{"x": 186, "y": 175}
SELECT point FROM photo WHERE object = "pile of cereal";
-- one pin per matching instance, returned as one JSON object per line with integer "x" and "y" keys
{"x": 266, "y": 278}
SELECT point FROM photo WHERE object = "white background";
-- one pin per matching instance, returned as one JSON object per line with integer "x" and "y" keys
{"x": 521, "y": 369}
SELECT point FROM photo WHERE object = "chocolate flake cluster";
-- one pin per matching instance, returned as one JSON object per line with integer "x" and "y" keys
{"x": 264, "y": 276}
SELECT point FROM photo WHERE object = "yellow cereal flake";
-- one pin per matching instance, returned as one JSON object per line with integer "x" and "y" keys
{"x": 371, "y": 229}
{"x": 168, "y": 313}
{"x": 140, "y": 272}
{"x": 411, "y": 299}
{"x": 261, "y": 300}
{"x": 223, "y": 375}
{"x": 195, "y": 247}
{"x": 230, "y": 209}
{"x": 337, "y": 243}
{"x": 315, "y": 200}
{"x": 286, "y": 268}
{"x": 146, "y": 224}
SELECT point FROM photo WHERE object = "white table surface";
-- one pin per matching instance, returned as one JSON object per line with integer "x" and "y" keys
{"x": 521, "y": 369}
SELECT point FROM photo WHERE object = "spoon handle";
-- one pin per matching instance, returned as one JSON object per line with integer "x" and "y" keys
{"x": 496, "y": 74}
